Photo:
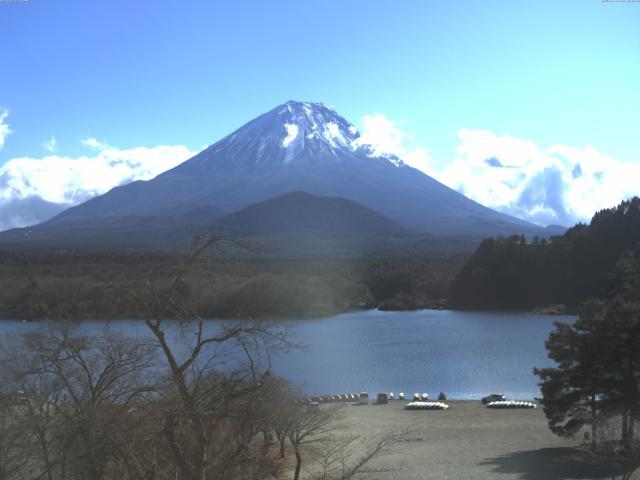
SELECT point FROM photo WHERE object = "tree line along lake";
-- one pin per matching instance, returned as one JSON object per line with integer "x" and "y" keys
{"x": 466, "y": 354}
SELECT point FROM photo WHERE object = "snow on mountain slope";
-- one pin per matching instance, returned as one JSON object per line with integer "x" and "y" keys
{"x": 294, "y": 132}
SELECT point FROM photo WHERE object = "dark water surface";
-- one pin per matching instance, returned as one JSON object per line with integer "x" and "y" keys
{"x": 464, "y": 354}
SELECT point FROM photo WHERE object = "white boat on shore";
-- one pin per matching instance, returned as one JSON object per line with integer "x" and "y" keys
{"x": 511, "y": 404}
{"x": 426, "y": 406}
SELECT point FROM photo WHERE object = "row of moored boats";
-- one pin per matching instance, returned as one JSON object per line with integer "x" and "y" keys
{"x": 364, "y": 396}
{"x": 420, "y": 400}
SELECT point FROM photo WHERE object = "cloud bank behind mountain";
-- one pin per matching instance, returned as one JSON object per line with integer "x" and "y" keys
{"x": 34, "y": 189}
{"x": 558, "y": 184}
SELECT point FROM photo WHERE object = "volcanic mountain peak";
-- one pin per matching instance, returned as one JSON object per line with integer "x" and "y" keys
{"x": 292, "y": 133}
{"x": 306, "y": 121}
{"x": 297, "y": 147}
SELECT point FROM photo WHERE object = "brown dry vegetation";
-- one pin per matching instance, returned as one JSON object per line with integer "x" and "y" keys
{"x": 80, "y": 286}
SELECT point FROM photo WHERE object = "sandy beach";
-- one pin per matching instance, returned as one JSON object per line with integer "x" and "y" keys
{"x": 468, "y": 441}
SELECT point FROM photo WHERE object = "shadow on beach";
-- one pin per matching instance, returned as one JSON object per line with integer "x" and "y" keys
{"x": 562, "y": 463}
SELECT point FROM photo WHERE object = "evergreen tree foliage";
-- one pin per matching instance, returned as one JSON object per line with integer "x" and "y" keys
{"x": 514, "y": 273}
{"x": 597, "y": 376}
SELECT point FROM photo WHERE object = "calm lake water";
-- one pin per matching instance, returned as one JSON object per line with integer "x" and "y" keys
{"x": 464, "y": 354}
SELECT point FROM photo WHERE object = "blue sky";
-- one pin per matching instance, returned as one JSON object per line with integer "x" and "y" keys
{"x": 184, "y": 74}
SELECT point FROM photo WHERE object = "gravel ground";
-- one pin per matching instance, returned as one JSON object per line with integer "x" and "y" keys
{"x": 468, "y": 441}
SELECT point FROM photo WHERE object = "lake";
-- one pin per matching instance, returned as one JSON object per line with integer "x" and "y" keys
{"x": 464, "y": 354}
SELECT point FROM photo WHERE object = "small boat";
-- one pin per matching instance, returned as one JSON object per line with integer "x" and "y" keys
{"x": 426, "y": 406}
{"x": 502, "y": 404}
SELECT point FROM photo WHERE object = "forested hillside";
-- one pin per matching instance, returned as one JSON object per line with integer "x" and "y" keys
{"x": 75, "y": 286}
{"x": 513, "y": 273}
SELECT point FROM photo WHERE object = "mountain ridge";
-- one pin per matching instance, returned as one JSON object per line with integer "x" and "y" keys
{"x": 293, "y": 225}
{"x": 295, "y": 147}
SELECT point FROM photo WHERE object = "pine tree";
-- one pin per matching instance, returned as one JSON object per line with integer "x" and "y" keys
{"x": 573, "y": 391}
{"x": 598, "y": 360}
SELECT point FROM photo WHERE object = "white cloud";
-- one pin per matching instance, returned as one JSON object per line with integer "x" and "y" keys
{"x": 385, "y": 138}
{"x": 50, "y": 145}
{"x": 555, "y": 185}
{"x": 4, "y": 127}
{"x": 94, "y": 144}
{"x": 65, "y": 180}
{"x": 559, "y": 184}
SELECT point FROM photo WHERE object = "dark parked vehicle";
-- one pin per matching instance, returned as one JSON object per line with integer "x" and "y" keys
{"x": 382, "y": 399}
{"x": 494, "y": 397}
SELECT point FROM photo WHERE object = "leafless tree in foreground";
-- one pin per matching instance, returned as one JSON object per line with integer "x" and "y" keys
{"x": 343, "y": 458}
{"x": 278, "y": 403}
{"x": 307, "y": 427}
{"x": 191, "y": 400}
{"x": 212, "y": 395}
{"x": 333, "y": 456}
{"x": 14, "y": 446}
{"x": 72, "y": 395}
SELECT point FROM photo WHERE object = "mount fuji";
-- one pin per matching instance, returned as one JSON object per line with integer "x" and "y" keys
{"x": 296, "y": 147}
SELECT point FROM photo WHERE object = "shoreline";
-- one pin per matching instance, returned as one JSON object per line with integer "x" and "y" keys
{"x": 382, "y": 308}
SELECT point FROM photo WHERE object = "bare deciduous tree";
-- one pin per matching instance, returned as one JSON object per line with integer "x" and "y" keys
{"x": 15, "y": 450}
{"x": 214, "y": 381}
{"x": 344, "y": 458}
{"x": 307, "y": 427}
{"x": 190, "y": 400}
{"x": 76, "y": 393}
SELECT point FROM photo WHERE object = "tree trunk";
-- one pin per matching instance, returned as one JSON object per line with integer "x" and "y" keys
{"x": 282, "y": 441}
{"x": 594, "y": 421}
{"x": 625, "y": 425}
{"x": 296, "y": 474}
{"x": 203, "y": 474}
{"x": 45, "y": 455}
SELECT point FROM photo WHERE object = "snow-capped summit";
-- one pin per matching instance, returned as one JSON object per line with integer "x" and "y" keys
{"x": 311, "y": 124}
{"x": 313, "y": 129}
{"x": 295, "y": 132}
